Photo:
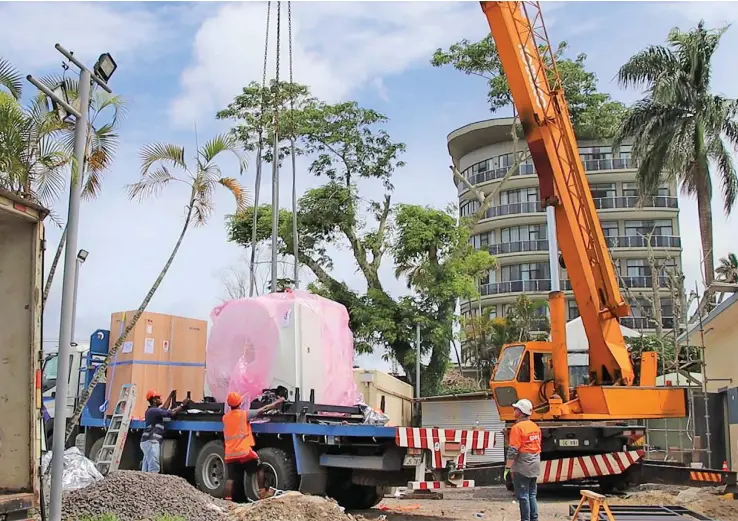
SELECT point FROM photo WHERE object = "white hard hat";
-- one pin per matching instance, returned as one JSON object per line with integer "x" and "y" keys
{"x": 524, "y": 406}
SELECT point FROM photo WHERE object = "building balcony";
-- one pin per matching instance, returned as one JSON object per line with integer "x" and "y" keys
{"x": 590, "y": 165}
{"x": 544, "y": 285}
{"x": 638, "y": 323}
{"x": 628, "y": 202}
{"x": 624, "y": 241}
{"x": 639, "y": 241}
{"x": 601, "y": 203}
{"x": 518, "y": 247}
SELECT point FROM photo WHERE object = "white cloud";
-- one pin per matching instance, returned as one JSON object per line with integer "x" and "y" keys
{"x": 30, "y": 31}
{"x": 339, "y": 48}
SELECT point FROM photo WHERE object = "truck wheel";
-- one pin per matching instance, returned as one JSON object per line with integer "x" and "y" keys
{"x": 280, "y": 472}
{"x": 210, "y": 469}
{"x": 95, "y": 449}
{"x": 357, "y": 497}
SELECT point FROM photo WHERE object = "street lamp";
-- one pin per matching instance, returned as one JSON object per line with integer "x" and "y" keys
{"x": 104, "y": 68}
{"x": 60, "y": 91}
{"x": 81, "y": 258}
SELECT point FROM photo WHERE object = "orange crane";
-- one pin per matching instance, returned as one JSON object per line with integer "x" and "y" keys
{"x": 588, "y": 431}
{"x": 615, "y": 391}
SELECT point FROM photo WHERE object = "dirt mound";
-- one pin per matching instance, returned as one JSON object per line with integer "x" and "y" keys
{"x": 136, "y": 496}
{"x": 702, "y": 501}
{"x": 291, "y": 506}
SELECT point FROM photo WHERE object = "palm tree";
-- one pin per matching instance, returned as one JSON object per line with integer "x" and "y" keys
{"x": 32, "y": 161}
{"x": 157, "y": 159}
{"x": 679, "y": 127}
{"x": 728, "y": 269}
{"x": 105, "y": 114}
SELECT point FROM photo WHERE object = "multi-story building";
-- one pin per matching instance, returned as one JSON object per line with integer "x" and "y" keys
{"x": 514, "y": 227}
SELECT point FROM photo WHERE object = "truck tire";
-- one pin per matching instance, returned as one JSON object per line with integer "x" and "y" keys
{"x": 280, "y": 472}
{"x": 95, "y": 449}
{"x": 210, "y": 469}
{"x": 358, "y": 497}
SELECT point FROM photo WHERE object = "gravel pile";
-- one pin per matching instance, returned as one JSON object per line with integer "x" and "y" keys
{"x": 138, "y": 496}
{"x": 291, "y": 506}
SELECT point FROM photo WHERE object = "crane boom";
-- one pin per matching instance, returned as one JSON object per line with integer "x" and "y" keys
{"x": 536, "y": 88}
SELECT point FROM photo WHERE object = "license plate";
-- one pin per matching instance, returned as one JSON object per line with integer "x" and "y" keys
{"x": 412, "y": 461}
{"x": 568, "y": 443}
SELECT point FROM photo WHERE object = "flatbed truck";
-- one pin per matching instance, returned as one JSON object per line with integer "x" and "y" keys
{"x": 313, "y": 448}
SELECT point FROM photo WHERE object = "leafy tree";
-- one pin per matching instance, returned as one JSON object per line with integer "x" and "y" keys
{"x": 680, "y": 126}
{"x": 667, "y": 352}
{"x": 159, "y": 164}
{"x": 728, "y": 269}
{"x": 594, "y": 114}
{"x": 427, "y": 244}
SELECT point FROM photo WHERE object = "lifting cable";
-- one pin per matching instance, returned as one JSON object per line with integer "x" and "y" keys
{"x": 275, "y": 164}
{"x": 257, "y": 182}
{"x": 295, "y": 238}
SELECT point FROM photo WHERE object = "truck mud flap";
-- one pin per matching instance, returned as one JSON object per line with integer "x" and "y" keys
{"x": 664, "y": 473}
{"x": 486, "y": 475}
{"x": 641, "y": 513}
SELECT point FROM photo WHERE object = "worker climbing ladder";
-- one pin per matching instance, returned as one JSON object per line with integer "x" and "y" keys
{"x": 108, "y": 459}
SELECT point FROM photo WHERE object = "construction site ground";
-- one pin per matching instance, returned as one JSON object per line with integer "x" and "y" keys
{"x": 497, "y": 504}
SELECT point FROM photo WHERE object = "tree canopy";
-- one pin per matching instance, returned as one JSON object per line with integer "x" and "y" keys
{"x": 349, "y": 148}
{"x": 594, "y": 114}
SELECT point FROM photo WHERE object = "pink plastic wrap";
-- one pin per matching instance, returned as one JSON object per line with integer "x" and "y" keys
{"x": 243, "y": 347}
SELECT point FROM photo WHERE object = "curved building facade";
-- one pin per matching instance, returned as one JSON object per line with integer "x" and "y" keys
{"x": 514, "y": 227}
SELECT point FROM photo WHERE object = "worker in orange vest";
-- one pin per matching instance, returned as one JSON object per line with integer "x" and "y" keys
{"x": 524, "y": 459}
{"x": 240, "y": 455}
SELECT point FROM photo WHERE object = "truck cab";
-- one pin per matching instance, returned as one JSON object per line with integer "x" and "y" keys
{"x": 49, "y": 377}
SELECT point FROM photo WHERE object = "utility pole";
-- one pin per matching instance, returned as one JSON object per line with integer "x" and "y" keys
{"x": 104, "y": 68}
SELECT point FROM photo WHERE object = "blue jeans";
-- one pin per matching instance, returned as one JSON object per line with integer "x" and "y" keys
{"x": 150, "y": 461}
{"x": 525, "y": 492}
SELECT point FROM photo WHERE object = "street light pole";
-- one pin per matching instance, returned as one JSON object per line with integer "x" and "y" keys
{"x": 66, "y": 326}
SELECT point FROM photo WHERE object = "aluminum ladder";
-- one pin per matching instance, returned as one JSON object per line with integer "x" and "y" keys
{"x": 108, "y": 459}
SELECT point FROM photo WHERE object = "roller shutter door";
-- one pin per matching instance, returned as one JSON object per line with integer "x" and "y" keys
{"x": 466, "y": 414}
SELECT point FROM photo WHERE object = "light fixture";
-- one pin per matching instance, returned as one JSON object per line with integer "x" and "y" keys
{"x": 105, "y": 66}
{"x": 61, "y": 92}
{"x": 82, "y": 255}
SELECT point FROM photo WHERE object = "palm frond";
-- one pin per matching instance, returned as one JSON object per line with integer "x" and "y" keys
{"x": 222, "y": 143}
{"x": 151, "y": 184}
{"x": 103, "y": 101}
{"x": 164, "y": 153}
{"x": 238, "y": 190}
{"x": 11, "y": 79}
{"x": 719, "y": 153}
{"x": 647, "y": 66}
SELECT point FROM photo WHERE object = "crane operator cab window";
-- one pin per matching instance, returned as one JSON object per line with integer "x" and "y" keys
{"x": 508, "y": 365}
{"x": 542, "y": 371}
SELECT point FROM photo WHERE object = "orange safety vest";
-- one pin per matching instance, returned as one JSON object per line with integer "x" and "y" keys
{"x": 237, "y": 434}
{"x": 526, "y": 437}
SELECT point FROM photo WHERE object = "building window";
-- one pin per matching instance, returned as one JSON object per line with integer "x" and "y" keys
{"x": 468, "y": 208}
{"x": 602, "y": 190}
{"x": 656, "y": 227}
{"x": 572, "y": 309}
{"x": 587, "y": 153}
{"x": 667, "y": 307}
{"x": 492, "y": 311}
{"x": 631, "y": 190}
{"x": 610, "y": 228}
{"x": 528, "y": 271}
{"x": 637, "y": 268}
{"x": 520, "y": 195}
{"x": 531, "y": 232}
{"x": 626, "y": 152}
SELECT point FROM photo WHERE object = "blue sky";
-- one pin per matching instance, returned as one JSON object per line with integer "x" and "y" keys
{"x": 181, "y": 62}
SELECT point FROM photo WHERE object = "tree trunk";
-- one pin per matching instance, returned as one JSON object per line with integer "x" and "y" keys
{"x": 100, "y": 372}
{"x": 54, "y": 264}
{"x": 704, "y": 212}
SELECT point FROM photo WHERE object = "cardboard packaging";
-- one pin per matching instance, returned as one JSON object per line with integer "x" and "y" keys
{"x": 162, "y": 352}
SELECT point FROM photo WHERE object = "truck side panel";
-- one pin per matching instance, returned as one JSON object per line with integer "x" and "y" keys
{"x": 21, "y": 236}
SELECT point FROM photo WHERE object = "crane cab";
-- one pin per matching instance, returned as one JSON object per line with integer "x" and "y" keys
{"x": 523, "y": 370}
